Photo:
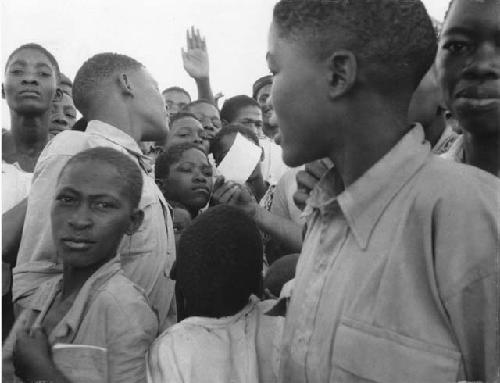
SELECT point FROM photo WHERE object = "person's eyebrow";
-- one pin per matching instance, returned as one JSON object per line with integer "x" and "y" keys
{"x": 18, "y": 62}
{"x": 459, "y": 30}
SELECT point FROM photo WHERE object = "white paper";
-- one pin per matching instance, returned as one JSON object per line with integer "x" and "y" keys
{"x": 241, "y": 160}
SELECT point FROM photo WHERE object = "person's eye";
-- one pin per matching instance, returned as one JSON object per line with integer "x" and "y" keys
{"x": 104, "y": 205}
{"x": 185, "y": 168}
{"x": 207, "y": 172}
{"x": 457, "y": 47}
{"x": 71, "y": 116}
{"x": 16, "y": 71}
{"x": 45, "y": 74}
{"x": 258, "y": 124}
{"x": 65, "y": 199}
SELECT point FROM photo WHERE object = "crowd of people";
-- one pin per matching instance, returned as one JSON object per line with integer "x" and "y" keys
{"x": 341, "y": 224}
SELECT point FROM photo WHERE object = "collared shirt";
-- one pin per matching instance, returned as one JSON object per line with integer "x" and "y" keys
{"x": 456, "y": 151}
{"x": 398, "y": 277}
{"x": 236, "y": 349}
{"x": 109, "y": 312}
{"x": 146, "y": 256}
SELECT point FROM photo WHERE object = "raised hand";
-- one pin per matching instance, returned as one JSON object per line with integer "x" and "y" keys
{"x": 308, "y": 178}
{"x": 231, "y": 193}
{"x": 195, "y": 58}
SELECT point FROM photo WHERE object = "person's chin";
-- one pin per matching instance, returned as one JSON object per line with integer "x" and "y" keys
{"x": 292, "y": 157}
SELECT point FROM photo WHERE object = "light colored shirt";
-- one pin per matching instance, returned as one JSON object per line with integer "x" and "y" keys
{"x": 283, "y": 204}
{"x": 272, "y": 165}
{"x": 109, "y": 312}
{"x": 398, "y": 277}
{"x": 236, "y": 349}
{"x": 16, "y": 185}
{"x": 146, "y": 256}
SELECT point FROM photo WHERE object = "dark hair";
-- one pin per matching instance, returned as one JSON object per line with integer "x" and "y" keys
{"x": 80, "y": 125}
{"x": 124, "y": 165}
{"x": 187, "y": 108}
{"x": 233, "y": 105}
{"x": 177, "y": 89}
{"x": 180, "y": 115}
{"x": 172, "y": 156}
{"x": 93, "y": 72}
{"x": 219, "y": 264}
{"x": 41, "y": 49}
{"x": 394, "y": 40}
{"x": 259, "y": 84}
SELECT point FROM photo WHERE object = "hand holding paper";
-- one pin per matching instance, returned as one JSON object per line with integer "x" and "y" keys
{"x": 241, "y": 160}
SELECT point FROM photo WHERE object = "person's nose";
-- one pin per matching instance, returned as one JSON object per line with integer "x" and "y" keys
{"x": 81, "y": 218}
{"x": 484, "y": 63}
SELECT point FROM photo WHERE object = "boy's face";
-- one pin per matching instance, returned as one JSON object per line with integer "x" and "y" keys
{"x": 469, "y": 64}
{"x": 251, "y": 117}
{"x": 175, "y": 101}
{"x": 90, "y": 214}
{"x": 187, "y": 130}
{"x": 30, "y": 82}
{"x": 299, "y": 93}
{"x": 62, "y": 116}
{"x": 209, "y": 117}
{"x": 190, "y": 180}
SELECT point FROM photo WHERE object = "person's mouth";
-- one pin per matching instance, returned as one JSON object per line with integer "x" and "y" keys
{"x": 478, "y": 97}
{"x": 201, "y": 189}
{"x": 29, "y": 93}
{"x": 78, "y": 244}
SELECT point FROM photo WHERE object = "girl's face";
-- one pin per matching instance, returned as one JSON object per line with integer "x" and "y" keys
{"x": 187, "y": 130}
{"x": 190, "y": 181}
{"x": 30, "y": 82}
{"x": 91, "y": 213}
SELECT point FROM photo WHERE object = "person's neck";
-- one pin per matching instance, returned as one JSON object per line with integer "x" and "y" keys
{"x": 117, "y": 118}
{"x": 373, "y": 132}
{"x": 75, "y": 278}
{"x": 483, "y": 152}
{"x": 30, "y": 135}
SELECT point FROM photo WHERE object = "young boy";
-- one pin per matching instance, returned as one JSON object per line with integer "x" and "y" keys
{"x": 185, "y": 128}
{"x": 92, "y": 304}
{"x": 226, "y": 336}
{"x": 398, "y": 276}
{"x": 469, "y": 67}
{"x": 185, "y": 176}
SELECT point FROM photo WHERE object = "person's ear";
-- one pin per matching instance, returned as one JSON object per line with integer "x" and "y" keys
{"x": 125, "y": 84}
{"x": 136, "y": 219}
{"x": 342, "y": 71}
{"x": 59, "y": 95}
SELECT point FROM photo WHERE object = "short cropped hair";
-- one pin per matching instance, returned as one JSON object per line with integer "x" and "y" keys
{"x": 234, "y": 104}
{"x": 219, "y": 263}
{"x": 124, "y": 165}
{"x": 178, "y": 116}
{"x": 177, "y": 89}
{"x": 259, "y": 84}
{"x": 394, "y": 39}
{"x": 89, "y": 78}
{"x": 172, "y": 156}
{"x": 42, "y": 50}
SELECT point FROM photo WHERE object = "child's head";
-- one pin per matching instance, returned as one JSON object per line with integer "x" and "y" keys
{"x": 219, "y": 264}
{"x": 96, "y": 203}
{"x": 185, "y": 128}
{"x": 184, "y": 175}
{"x": 329, "y": 57}
{"x": 31, "y": 79}
{"x": 243, "y": 110}
{"x": 468, "y": 64}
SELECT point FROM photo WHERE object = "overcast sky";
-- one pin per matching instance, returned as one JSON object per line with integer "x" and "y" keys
{"x": 152, "y": 31}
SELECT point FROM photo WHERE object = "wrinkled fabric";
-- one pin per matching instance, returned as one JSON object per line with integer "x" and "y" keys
{"x": 398, "y": 277}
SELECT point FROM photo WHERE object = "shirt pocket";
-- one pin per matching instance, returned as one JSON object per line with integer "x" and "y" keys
{"x": 363, "y": 353}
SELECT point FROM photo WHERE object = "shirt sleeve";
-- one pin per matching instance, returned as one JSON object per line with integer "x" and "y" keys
{"x": 162, "y": 362}
{"x": 466, "y": 249}
{"x": 131, "y": 328}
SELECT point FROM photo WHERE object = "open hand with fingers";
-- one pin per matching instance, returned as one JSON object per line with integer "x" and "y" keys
{"x": 195, "y": 58}
{"x": 232, "y": 193}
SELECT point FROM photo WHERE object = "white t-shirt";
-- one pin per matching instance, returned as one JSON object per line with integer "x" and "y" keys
{"x": 16, "y": 185}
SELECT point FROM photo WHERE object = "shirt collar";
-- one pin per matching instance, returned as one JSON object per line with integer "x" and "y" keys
{"x": 67, "y": 328}
{"x": 118, "y": 137}
{"x": 363, "y": 202}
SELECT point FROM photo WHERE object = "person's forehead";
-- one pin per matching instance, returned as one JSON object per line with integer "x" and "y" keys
{"x": 249, "y": 110}
{"x": 194, "y": 155}
{"x": 187, "y": 122}
{"x": 92, "y": 177}
{"x": 474, "y": 15}
{"x": 205, "y": 109}
{"x": 30, "y": 56}
{"x": 176, "y": 95}
{"x": 65, "y": 100}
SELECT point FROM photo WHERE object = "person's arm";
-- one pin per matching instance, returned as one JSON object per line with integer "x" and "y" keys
{"x": 196, "y": 64}
{"x": 284, "y": 230}
{"x": 33, "y": 360}
{"x": 12, "y": 230}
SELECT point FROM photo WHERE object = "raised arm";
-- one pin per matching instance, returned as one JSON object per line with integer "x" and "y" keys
{"x": 196, "y": 63}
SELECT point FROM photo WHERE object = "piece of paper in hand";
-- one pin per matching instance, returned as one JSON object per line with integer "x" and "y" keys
{"x": 241, "y": 160}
